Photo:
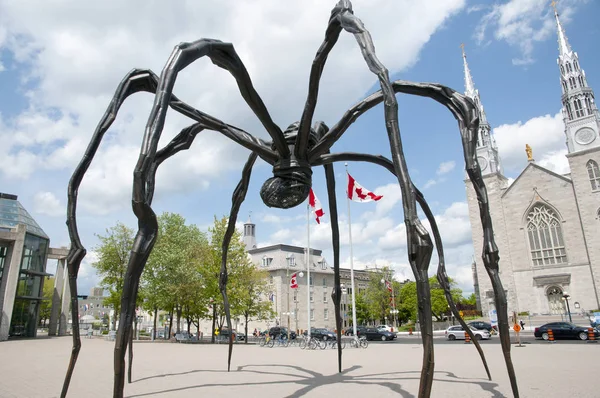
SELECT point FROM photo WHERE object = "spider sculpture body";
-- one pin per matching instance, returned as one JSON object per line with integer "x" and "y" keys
{"x": 292, "y": 154}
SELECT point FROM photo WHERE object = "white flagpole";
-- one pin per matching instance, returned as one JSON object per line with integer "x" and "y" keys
{"x": 308, "y": 266}
{"x": 351, "y": 260}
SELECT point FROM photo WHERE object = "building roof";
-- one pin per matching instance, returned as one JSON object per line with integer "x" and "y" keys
{"x": 285, "y": 248}
{"x": 13, "y": 213}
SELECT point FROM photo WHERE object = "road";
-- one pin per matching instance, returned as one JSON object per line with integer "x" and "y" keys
{"x": 527, "y": 338}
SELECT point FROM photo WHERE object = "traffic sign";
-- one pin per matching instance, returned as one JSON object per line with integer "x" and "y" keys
{"x": 461, "y": 314}
{"x": 517, "y": 327}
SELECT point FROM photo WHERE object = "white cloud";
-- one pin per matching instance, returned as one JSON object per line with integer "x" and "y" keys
{"x": 522, "y": 23}
{"x": 47, "y": 203}
{"x": 555, "y": 161}
{"x": 429, "y": 183}
{"x": 545, "y": 134}
{"x": 446, "y": 167}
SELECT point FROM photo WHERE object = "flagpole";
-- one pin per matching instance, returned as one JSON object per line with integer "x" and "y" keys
{"x": 351, "y": 262}
{"x": 308, "y": 266}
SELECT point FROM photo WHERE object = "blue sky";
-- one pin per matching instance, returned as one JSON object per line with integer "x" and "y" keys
{"x": 60, "y": 64}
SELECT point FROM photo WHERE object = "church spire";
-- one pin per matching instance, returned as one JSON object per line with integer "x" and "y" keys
{"x": 470, "y": 90}
{"x": 487, "y": 151}
{"x": 563, "y": 44}
{"x": 580, "y": 113}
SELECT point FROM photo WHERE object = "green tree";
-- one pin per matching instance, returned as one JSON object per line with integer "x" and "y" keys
{"x": 363, "y": 314}
{"x": 113, "y": 256}
{"x": 237, "y": 259}
{"x": 377, "y": 295}
{"x": 46, "y": 304}
{"x": 171, "y": 280}
{"x": 439, "y": 304}
{"x": 470, "y": 301}
{"x": 248, "y": 291}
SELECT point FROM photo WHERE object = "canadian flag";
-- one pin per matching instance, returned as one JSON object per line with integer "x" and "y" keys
{"x": 357, "y": 193}
{"x": 315, "y": 206}
{"x": 388, "y": 285}
{"x": 293, "y": 281}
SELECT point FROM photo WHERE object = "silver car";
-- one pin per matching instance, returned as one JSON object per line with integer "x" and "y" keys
{"x": 458, "y": 333}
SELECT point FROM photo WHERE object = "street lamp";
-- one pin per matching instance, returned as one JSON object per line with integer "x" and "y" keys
{"x": 566, "y": 298}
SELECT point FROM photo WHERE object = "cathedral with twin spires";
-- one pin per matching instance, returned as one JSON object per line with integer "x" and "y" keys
{"x": 546, "y": 225}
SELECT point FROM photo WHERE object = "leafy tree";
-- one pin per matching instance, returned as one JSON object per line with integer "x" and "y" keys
{"x": 378, "y": 297}
{"x": 439, "y": 304}
{"x": 46, "y": 304}
{"x": 237, "y": 261}
{"x": 248, "y": 290}
{"x": 362, "y": 309}
{"x": 470, "y": 301}
{"x": 113, "y": 256}
{"x": 171, "y": 280}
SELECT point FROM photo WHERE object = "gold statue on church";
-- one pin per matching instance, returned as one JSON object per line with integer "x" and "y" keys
{"x": 529, "y": 152}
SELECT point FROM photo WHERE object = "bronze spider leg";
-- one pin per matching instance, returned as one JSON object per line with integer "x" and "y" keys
{"x": 467, "y": 116}
{"x": 135, "y": 81}
{"x": 420, "y": 245}
{"x": 224, "y": 56}
{"x": 335, "y": 238}
{"x": 239, "y": 194}
{"x": 442, "y": 276}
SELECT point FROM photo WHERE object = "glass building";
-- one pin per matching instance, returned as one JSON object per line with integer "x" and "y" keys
{"x": 23, "y": 255}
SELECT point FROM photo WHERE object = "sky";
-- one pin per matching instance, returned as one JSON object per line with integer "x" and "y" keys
{"x": 61, "y": 61}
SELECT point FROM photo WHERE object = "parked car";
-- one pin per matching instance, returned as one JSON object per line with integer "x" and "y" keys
{"x": 377, "y": 334}
{"x": 225, "y": 333}
{"x": 563, "y": 330}
{"x": 183, "y": 336}
{"x": 321, "y": 334}
{"x": 349, "y": 331}
{"x": 458, "y": 333}
{"x": 277, "y": 330}
{"x": 385, "y": 327}
{"x": 480, "y": 325}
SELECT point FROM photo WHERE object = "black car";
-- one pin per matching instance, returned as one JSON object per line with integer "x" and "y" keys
{"x": 275, "y": 331}
{"x": 321, "y": 334}
{"x": 377, "y": 334}
{"x": 359, "y": 330}
{"x": 225, "y": 333}
{"x": 563, "y": 330}
{"x": 479, "y": 325}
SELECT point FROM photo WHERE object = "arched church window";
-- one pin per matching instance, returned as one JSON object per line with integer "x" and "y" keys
{"x": 588, "y": 105}
{"x": 569, "y": 69}
{"x": 578, "y": 108}
{"x": 572, "y": 82}
{"x": 581, "y": 84}
{"x": 569, "y": 111}
{"x": 562, "y": 70}
{"x": 576, "y": 65}
{"x": 564, "y": 84}
{"x": 545, "y": 236}
{"x": 594, "y": 174}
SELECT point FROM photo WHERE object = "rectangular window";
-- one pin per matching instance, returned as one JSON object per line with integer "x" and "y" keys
{"x": 312, "y": 314}
{"x": 311, "y": 297}
{"x": 311, "y": 280}
{"x": 324, "y": 282}
{"x": 324, "y": 297}
{"x": 325, "y": 314}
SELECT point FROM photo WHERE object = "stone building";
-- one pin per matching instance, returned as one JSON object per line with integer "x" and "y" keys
{"x": 291, "y": 305}
{"x": 546, "y": 225}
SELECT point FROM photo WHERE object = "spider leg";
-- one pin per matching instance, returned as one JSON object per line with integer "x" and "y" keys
{"x": 224, "y": 56}
{"x": 335, "y": 237}
{"x": 467, "y": 116}
{"x": 239, "y": 194}
{"x": 441, "y": 272}
{"x": 420, "y": 245}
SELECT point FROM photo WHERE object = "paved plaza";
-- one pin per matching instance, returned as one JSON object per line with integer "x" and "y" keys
{"x": 35, "y": 368}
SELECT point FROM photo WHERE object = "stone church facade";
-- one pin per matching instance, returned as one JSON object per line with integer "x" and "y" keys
{"x": 546, "y": 225}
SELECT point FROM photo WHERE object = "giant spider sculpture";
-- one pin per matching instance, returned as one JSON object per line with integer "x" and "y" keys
{"x": 292, "y": 154}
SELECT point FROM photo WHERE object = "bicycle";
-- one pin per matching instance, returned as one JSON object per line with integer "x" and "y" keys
{"x": 359, "y": 342}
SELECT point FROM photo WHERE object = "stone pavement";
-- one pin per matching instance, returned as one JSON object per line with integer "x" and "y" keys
{"x": 35, "y": 368}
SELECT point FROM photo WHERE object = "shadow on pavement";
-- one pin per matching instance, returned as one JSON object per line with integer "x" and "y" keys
{"x": 308, "y": 380}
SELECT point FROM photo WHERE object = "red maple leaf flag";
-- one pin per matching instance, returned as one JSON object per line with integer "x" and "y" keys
{"x": 294, "y": 281}
{"x": 315, "y": 206}
{"x": 388, "y": 285}
{"x": 358, "y": 193}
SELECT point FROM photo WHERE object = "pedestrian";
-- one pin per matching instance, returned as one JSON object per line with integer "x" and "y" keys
{"x": 522, "y": 324}
{"x": 255, "y": 334}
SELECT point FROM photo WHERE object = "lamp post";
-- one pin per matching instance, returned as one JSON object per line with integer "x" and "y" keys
{"x": 566, "y": 298}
